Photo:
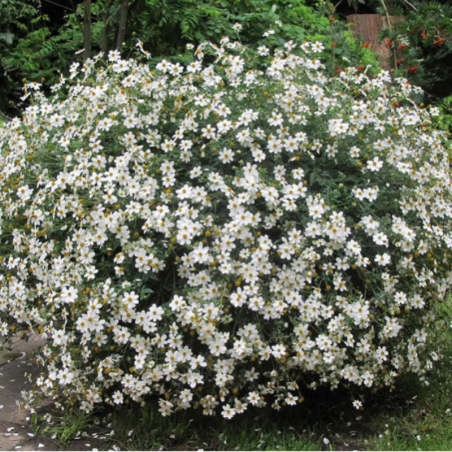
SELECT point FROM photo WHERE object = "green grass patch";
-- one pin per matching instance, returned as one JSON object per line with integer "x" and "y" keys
{"x": 63, "y": 427}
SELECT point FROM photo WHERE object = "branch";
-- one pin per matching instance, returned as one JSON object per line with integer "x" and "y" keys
{"x": 409, "y": 4}
{"x": 388, "y": 18}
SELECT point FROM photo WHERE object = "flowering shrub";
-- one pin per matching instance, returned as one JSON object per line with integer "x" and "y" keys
{"x": 225, "y": 234}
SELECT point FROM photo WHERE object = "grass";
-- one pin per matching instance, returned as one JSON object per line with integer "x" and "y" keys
{"x": 62, "y": 427}
{"x": 414, "y": 417}
{"x": 193, "y": 433}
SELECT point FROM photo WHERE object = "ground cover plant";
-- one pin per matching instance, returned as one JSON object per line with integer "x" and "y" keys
{"x": 223, "y": 235}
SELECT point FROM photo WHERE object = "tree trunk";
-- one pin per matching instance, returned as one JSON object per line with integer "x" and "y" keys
{"x": 104, "y": 47}
{"x": 122, "y": 25}
{"x": 104, "y": 44}
{"x": 87, "y": 29}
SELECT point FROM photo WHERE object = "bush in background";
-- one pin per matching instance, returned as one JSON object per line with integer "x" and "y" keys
{"x": 422, "y": 47}
{"x": 46, "y": 45}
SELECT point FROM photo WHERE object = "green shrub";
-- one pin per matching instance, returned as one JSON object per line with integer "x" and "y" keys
{"x": 444, "y": 119}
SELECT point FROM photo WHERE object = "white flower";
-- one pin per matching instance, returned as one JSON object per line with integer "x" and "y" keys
{"x": 317, "y": 47}
{"x": 268, "y": 33}
{"x": 228, "y": 412}
{"x": 375, "y": 164}
{"x": 337, "y": 127}
{"x": 68, "y": 295}
{"x": 276, "y": 119}
{"x": 118, "y": 398}
{"x": 226, "y": 155}
{"x": 383, "y": 259}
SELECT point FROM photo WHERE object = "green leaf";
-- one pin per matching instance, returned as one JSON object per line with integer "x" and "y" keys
{"x": 7, "y": 37}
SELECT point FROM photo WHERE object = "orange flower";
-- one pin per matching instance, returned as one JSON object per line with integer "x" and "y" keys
{"x": 412, "y": 69}
{"x": 439, "y": 41}
{"x": 388, "y": 42}
{"x": 401, "y": 46}
{"x": 366, "y": 44}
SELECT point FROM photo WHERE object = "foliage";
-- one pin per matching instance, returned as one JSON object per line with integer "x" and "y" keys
{"x": 13, "y": 14}
{"x": 64, "y": 427}
{"x": 14, "y": 17}
{"x": 226, "y": 234}
{"x": 444, "y": 119}
{"x": 188, "y": 431}
{"x": 43, "y": 55}
{"x": 166, "y": 26}
{"x": 422, "y": 44}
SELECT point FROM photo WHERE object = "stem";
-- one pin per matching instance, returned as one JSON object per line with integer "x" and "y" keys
{"x": 409, "y": 4}
{"x": 329, "y": 10}
{"x": 388, "y": 18}
{"x": 333, "y": 47}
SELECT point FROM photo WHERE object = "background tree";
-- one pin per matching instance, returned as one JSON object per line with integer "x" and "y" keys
{"x": 16, "y": 19}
